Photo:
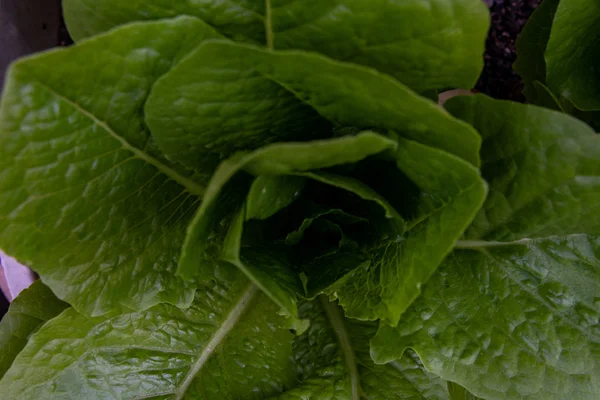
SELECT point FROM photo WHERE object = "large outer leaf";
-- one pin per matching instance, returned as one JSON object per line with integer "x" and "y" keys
{"x": 426, "y": 44}
{"x": 334, "y": 363}
{"x": 238, "y": 19}
{"x": 512, "y": 321}
{"x": 402, "y": 263}
{"x": 518, "y": 319}
{"x": 226, "y": 345}
{"x": 84, "y": 200}
{"x": 573, "y": 53}
{"x": 227, "y": 191}
{"x": 256, "y": 100}
{"x": 30, "y": 310}
{"x": 543, "y": 169}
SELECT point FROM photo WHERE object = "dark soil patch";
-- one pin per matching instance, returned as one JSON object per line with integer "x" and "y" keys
{"x": 64, "y": 39}
{"x": 3, "y": 304}
{"x": 498, "y": 78}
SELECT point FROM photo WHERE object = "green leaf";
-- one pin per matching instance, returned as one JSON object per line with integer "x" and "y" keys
{"x": 207, "y": 108}
{"x": 573, "y": 53}
{"x": 269, "y": 194}
{"x": 458, "y": 392}
{"x": 531, "y": 46}
{"x": 214, "y": 94}
{"x": 239, "y": 19}
{"x": 226, "y": 345}
{"x": 424, "y": 44}
{"x": 26, "y": 314}
{"x": 315, "y": 214}
{"x": 334, "y": 363}
{"x": 545, "y": 98}
{"x": 229, "y": 186}
{"x": 542, "y": 167}
{"x": 509, "y": 320}
{"x": 401, "y": 263}
{"x": 270, "y": 268}
{"x": 85, "y": 198}
{"x": 517, "y": 314}
{"x": 359, "y": 189}
{"x": 214, "y": 235}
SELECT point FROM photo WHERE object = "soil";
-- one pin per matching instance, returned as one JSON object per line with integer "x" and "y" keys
{"x": 498, "y": 78}
{"x": 64, "y": 39}
{"x": 3, "y": 304}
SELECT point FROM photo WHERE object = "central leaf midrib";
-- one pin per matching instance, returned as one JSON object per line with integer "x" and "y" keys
{"x": 336, "y": 320}
{"x": 217, "y": 338}
{"x": 190, "y": 185}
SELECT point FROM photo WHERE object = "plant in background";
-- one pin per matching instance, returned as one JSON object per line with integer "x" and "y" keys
{"x": 258, "y": 199}
{"x": 558, "y": 56}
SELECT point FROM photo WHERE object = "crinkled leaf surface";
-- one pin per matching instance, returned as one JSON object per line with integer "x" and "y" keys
{"x": 207, "y": 108}
{"x": 226, "y": 345}
{"x": 218, "y": 92}
{"x": 573, "y": 53}
{"x": 26, "y": 314}
{"x": 542, "y": 166}
{"x": 333, "y": 362}
{"x": 515, "y": 316}
{"x": 428, "y": 44}
{"x": 510, "y": 321}
{"x": 85, "y": 198}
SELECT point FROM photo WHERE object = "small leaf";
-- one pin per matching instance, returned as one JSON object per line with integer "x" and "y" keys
{"x": 269, "y": 194}
{"x": 26, "y": 314}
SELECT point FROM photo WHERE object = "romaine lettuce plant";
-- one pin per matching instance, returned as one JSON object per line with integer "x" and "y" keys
{"x": 258, "y": 199}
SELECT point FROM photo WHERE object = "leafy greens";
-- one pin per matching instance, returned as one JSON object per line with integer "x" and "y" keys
{"x": 259, "y": 199}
